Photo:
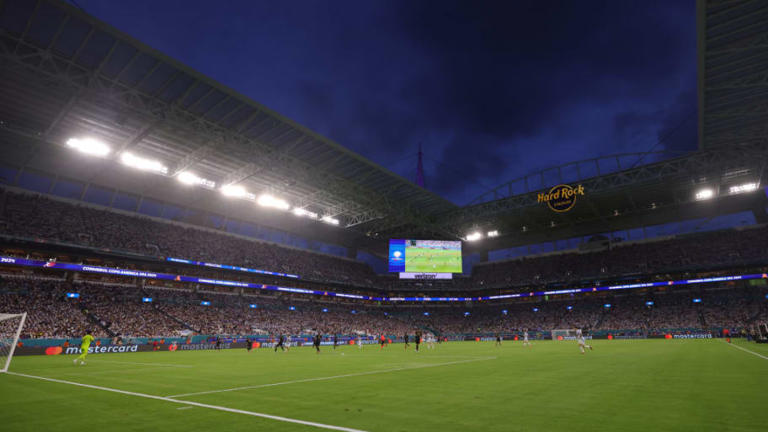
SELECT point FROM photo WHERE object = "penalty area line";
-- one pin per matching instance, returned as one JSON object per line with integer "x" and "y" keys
{"x": 142, "y": 364}
{"x": 330, "y": 377}
{"x": 747, "y": 350}
{"x": 191, "y": 404}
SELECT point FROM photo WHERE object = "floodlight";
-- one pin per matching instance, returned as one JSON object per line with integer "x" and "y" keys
{"x": 73, "y": 295}
{"x": 426, "y": 313}
{"x": 742, "y": 188}
{"x": 504, "y": 311}
{"x": 569, "y": 307}
{"x": 466, "y": 313}
{"x": 535, "y": 309}
{"x": 89, "y": 146}
{"x": 146, "y": 299}
{"x": 697, "y": 300}
{"x": 493, "y": 233}
{"x": 330, "y": 220}
{"x": 189, "y": 178}
{"x": 704, "y": 194}
{"x": 133, "y": 161}
{"x": 253, "y": 306}
{"x": 325, "y": 309}
{"x": 234, "y": 191}
{"x": 205, "y": 303}
{"x": 649, "y": 303}
{"x": 475, "y": 236}
{"x": 266, "y": 200}
{"x": 607, "y": 305}
{"x": 304, "y": 212}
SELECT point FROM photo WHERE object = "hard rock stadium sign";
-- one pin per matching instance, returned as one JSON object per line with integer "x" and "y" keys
{"x": 561, "y": 198}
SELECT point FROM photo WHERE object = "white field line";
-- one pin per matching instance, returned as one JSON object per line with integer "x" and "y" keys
{"x": 330, "y": 377}
{"x": 426, "y": 354}
{"x": 142, "y": 364}
{"x": 193, "y": 404}
{"x": 747, "y": 350}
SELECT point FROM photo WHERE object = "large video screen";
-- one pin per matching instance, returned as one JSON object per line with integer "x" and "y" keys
{"x": 424, "y": 256}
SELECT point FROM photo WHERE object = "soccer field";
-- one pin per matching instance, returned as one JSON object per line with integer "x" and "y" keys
{"x": 425, "y": 260}
{"x": 637, "y": 385}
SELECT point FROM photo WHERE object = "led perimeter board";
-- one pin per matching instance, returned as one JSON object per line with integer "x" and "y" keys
{"x": 424, "y": 256}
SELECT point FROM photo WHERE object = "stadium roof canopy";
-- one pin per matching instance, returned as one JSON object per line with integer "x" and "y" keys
{"x": 733, "y": 72}
{"x": 622, "y": 193}
{"x": 65, "y": 74}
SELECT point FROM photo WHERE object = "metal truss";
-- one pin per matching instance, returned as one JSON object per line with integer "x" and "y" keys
{"x": 346, "y": 197}
{"x": 712, "y": 164}
{"x": 542, "y": 178}
{"x": 733, "y": 82}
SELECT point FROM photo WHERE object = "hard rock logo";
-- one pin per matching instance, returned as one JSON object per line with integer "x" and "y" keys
{"x": 561, "y": 198}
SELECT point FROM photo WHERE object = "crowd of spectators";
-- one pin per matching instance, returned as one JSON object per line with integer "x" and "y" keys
{"x": 118, "y": 310}
{"x": 49, "y": 314}
{"x": 723, "y": 248}
{"x": 113, "y": 306}
{"x": 43, "y": 218}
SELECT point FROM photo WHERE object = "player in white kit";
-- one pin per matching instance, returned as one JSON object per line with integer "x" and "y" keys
{"x": 525, "y": 338}
{"x": 582, "y": 342}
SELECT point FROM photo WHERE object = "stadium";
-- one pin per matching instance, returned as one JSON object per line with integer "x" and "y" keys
{"x": 177, "y": 256}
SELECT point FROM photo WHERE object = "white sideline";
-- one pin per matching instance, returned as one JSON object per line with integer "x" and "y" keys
{"x": 329, "y": 377}
{"x": 191, "y": 404}
{"x": 143, "y": 364}
{"x": 747, "y": 350}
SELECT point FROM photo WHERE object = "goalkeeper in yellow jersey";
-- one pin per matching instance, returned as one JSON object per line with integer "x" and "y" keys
{"x": 84, "y": 345}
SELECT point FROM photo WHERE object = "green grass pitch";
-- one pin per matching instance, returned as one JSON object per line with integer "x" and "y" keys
{"x": 424, "y": 260}
{"x": 638, "y": 385}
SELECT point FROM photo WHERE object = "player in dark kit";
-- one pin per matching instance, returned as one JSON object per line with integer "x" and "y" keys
{"x": 248, "y": 344}
{"x": 318, "y": 338}
{"x": 218, "y": 342}
{"x": 335, "y": 340}
{"x": 280, "y": 343}
{"x": 417, "y": 340}
{"x": 498, "y": 339}
{"x": 405, "y": 339}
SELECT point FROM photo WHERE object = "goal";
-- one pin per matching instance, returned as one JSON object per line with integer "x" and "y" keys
{"x": 10, "y": 329}
{"x": 564, "y": 334}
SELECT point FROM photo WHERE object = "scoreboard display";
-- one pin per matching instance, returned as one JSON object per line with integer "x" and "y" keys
{"x": 424, "y": 256}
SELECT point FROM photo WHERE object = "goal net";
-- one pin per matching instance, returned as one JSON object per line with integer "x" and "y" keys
{"x": 761, "y": 333}
{"x": 563, "y": 334}
{"x": 10, "y": 329}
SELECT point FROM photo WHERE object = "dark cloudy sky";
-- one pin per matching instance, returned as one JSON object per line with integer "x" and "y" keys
{"x": 493, "y": 90}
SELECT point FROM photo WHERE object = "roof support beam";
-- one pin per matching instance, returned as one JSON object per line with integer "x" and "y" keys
{"x": 137, "y": 137}
{"x": 192, "y": 158}
{"x": 104, "y": 92}
{"x": 62, "y": 112}
{"x": 28, "y": 25}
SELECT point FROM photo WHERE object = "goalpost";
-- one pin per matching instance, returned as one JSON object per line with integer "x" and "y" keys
{"x": 563, "y": 334}
{"x": 10, "y": 330}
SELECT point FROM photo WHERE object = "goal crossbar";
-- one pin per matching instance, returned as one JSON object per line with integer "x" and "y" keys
{"x": 16, "y": 334}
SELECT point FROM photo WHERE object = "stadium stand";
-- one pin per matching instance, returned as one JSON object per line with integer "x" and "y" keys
{"x": 55, "y": 221}
{"x": 52, "y": 220}
{"x": 118, "y": 310}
